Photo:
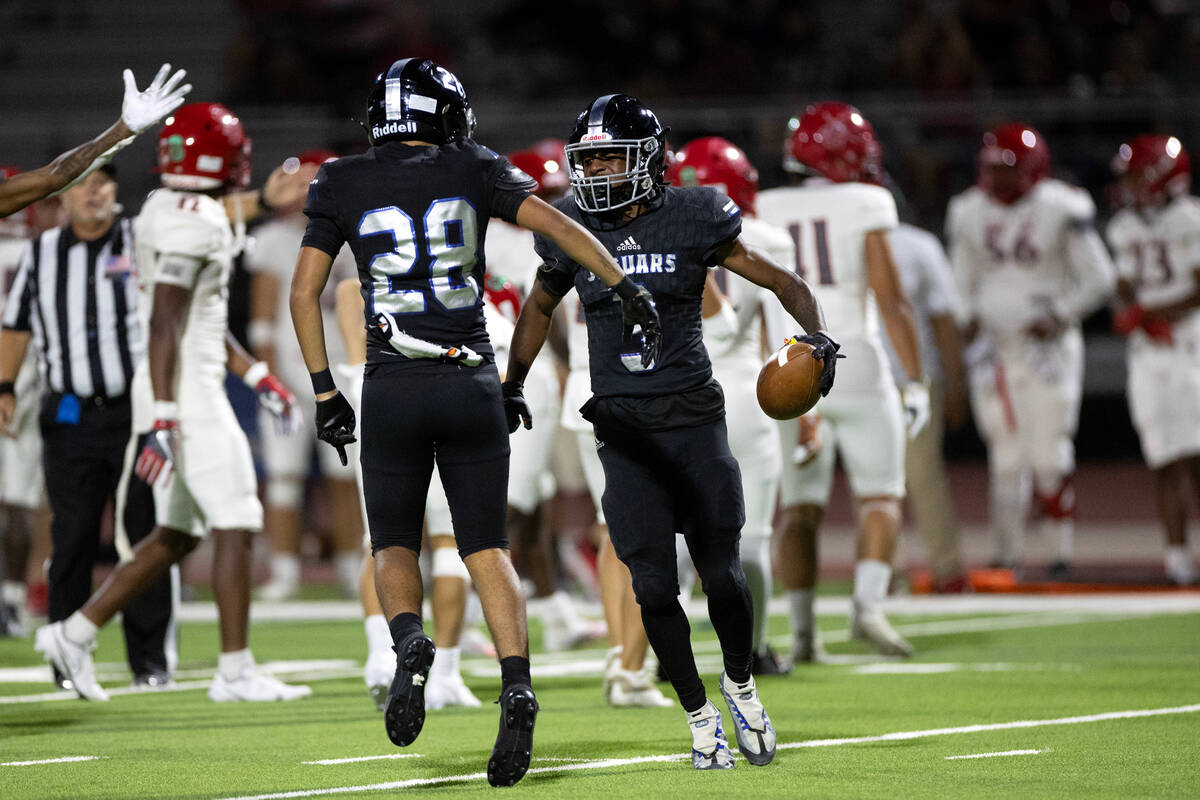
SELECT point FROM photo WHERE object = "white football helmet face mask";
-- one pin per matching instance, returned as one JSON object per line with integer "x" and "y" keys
{"x": 610, "y": 192}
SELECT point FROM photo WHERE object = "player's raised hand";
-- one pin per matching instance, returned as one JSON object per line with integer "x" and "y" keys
{"x": 515, "y": 407}
{"x": 825, "y": 349}
{"x": 637, "y": 308}
{"x": 335, "y": 424}
{"x": 141, "y": 109}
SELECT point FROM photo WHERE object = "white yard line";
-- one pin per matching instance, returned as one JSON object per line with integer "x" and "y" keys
{"x": 997, "y": 755}
{"x": 622, "y": 762}
{"x": 326, "y": 762}
{"x": 63, "y": 760}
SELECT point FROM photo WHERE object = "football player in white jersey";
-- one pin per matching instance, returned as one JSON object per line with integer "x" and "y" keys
{"x": 22, "y": 489}
{"x": 733, "y": 318}
{"x": 929, "y": 285}
{"x": 270, "y": 257}
{"x": 840, "y": 221}
{"x": 195, "y": 454}
{"x": 1029, "y": 266}
{"x": 1155, "y": 240}
{"x": 512, "y": 262}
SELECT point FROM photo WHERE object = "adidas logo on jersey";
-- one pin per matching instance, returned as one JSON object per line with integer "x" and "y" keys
{"x": 628, "y": 244}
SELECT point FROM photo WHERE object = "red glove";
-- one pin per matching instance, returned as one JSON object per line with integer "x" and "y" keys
{"x": 273, "y": 396}
{"x": 157, "y": 458}
{"x": 1158, "y": 328}
{"x": 1128, "y": 318}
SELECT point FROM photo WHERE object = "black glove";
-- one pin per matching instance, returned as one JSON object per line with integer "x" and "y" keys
{"x": 335, "y": 423}
{"x": 826, "y": 349}
{"x": 637, "y": 308}
{"x": 515, "y": 407}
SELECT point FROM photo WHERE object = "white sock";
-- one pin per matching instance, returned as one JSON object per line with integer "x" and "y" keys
{"x": 445, "y": 661}
{"x": 285, "y": 568}
{"x": 1178, "y": 562}
{"x": 14, "y": 593}
{"x": 79, "y": 629}
{"x": 871, "y": 580}
{"x": 801, "y": 602}
{"x": 379, "y": 636}
{"x": 348, "y": 565}
{"x": 232, "y": 665}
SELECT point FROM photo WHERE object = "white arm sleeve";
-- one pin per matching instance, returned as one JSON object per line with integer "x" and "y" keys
{"x": 1093, "y": 270}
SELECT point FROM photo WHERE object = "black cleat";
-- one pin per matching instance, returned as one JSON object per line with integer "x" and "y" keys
{"x": 404, "y": 714}
{"x": 767, "y": 662}
{"x": 514, "y": 742}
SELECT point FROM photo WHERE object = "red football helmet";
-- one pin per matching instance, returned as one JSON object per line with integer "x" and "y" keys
{"x": 713, "y": 161}
{"x": 1015, "y": 145}
{"x": 203, "y": 146}
{"x": 1153, "y": 168}
{"x": 504, "y": 295}
{"x": 834, "y": 140}
{"x": 546, "y": 163}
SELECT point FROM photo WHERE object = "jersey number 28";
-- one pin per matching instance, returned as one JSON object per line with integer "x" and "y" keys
{"x": 450, "y": 236}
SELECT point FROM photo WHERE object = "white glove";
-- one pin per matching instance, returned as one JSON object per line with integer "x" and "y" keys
{"x": 915, "y": 396}
{"x": 140, "y": 110}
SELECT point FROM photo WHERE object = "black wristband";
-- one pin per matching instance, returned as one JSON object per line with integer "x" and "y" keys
{"x": 626, "y": 289}
{"x": 7, "y": 387}
{"x": 322, "y": 381}
{"x": 262, "y": 200}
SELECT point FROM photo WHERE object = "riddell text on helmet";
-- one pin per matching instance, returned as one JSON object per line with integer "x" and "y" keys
{"x": 401, "y": 126}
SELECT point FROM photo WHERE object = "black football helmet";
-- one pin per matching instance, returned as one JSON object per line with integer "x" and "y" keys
{"x": 617, "y": 123}
{"x": 418, "y": 99}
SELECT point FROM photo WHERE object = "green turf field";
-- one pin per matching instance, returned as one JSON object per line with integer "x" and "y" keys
{"x": 1060, "y": 698}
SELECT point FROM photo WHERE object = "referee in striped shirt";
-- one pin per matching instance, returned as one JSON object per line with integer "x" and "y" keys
{"x": 74, "y": 298}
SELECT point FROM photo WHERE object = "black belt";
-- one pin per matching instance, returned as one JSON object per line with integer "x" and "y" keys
{"x": 98, "y": 401}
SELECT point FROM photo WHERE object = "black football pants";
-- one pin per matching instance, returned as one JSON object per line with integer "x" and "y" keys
{"x": 83, "y": 462}
{"x": 683, "y": 479}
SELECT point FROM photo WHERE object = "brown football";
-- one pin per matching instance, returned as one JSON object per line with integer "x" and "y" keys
{"x": 789, "y": 383}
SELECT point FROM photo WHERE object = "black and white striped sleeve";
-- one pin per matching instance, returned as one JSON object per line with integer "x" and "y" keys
{"x": 17, "y": 308}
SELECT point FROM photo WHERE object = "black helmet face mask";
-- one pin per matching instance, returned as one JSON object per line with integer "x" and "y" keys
{"x": 616, "y": 126}
{"x": 612, "y": 191}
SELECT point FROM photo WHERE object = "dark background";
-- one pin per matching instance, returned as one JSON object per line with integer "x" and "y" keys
{"x": 931, "y": 75}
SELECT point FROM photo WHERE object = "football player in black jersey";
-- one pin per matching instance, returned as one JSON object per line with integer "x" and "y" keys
{"x": 414, "y": 210}
{"x": 660, "y": 426}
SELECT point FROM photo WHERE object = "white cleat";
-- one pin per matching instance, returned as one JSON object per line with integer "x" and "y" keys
{"x": 73, "y": 660}
{"x": 755, "y": 733}
{"x": 448, "y": 690}
{"x": 475, "y": 643}
{"x": 612, "y": 665}
{"x": 378, "y": 672}
{"x": 872, "y": 627}
{"x": 558, "y": 636}
{"x": 253, "y": 686}
{"x": 635, "y": 690}
{"x": 710, "y": 748}
{"x": 274, "y": 591}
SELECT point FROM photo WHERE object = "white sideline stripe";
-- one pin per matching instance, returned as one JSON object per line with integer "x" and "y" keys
{"x": 994, "y": 755}
{"x": 981, "y": 603}
{"x": 325, "y": 762}
{"x": 63, "y": 760}
{"x": 622, "y": 762}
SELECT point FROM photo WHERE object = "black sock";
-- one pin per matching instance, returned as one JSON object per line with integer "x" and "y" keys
{"x": 733, "y": 619}
{"x": 670, "y": 636}
{"x": 403, "y": 624}
{"x": 514, "y": 669}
